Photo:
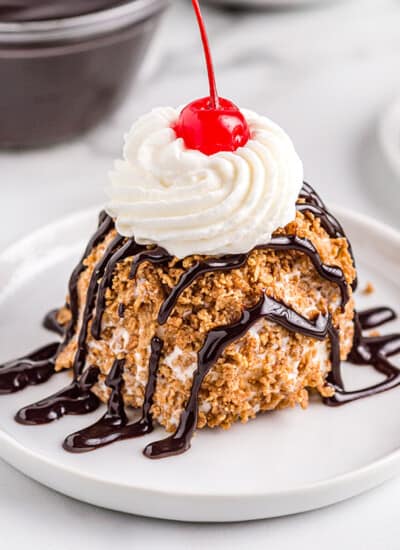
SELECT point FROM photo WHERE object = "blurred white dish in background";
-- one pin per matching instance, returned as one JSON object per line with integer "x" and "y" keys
{"x": 266, "y": 3}
{"x": 389, "y": 136}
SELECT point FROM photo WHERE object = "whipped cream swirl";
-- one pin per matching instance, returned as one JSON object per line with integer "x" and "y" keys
{"x": 190, "y": 203}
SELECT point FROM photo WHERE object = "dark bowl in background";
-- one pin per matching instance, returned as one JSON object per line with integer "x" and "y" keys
{"x": 61, "y": 77}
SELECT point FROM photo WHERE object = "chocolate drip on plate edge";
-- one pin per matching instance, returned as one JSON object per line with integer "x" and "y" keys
{"x": 77, "y": 398}
{"x": 114, "y": 425}
{"x": 372, "y": 351}
{"x": 34, "y": 369}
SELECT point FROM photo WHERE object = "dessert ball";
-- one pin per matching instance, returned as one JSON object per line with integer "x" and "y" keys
{"x": 268, "y": 368}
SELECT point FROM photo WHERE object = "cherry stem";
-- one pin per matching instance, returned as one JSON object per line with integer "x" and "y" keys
{"x": 207, "y": 52}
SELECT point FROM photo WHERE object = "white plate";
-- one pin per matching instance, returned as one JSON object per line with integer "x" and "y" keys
{"x": 278, "y": 464}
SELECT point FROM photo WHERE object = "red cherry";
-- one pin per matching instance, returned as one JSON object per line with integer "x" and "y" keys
{"x": 211, "y": 124}
{"x": 211, "y": 130}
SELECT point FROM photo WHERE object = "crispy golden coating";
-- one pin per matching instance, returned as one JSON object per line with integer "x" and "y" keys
{"x": 269, "y": 368}
{"x": 368, "y": 289}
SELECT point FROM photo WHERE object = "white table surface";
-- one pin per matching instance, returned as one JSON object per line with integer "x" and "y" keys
{"x": 325, "y": 73}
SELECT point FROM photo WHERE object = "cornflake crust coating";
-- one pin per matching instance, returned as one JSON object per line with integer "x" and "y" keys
{"x": 269, "y": 368}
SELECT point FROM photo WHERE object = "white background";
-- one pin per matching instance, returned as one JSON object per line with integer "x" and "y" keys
{"x": 326, "y": 73}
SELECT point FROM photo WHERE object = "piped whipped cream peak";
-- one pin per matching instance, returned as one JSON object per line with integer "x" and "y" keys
{"x": 191, "y": 203}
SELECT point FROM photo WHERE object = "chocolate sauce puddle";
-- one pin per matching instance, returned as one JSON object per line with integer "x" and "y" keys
{"x": 372, "y": 351}
{"x": 34, "y": 369}
{"x": 39, "y": 366}
{"x": 77, "y": 398}
{"x": 114, "y": 425}
{"x": 376, "y": 317}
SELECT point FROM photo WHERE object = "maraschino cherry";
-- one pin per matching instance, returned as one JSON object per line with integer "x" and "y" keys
{"x": 211, "y": 124}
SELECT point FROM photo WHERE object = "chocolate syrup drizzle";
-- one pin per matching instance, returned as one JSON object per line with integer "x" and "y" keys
{"x": 77, "y": 398}
{"x": 369, "y": 350}
{"x": 311, "y": 202}
{"x": 129, "y": 249}
{"x": 98, "y": 273}
{"x": 114, "y": 425}
{"x": 50, "y": 322}
{"x": 216, "y": 342}
{"x": 31, "y": 370}
{"x": 105, "y": 225}
{"x": 330, "y": 273}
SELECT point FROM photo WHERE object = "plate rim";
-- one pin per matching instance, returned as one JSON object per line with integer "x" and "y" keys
{"x": 383, "y": 468}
